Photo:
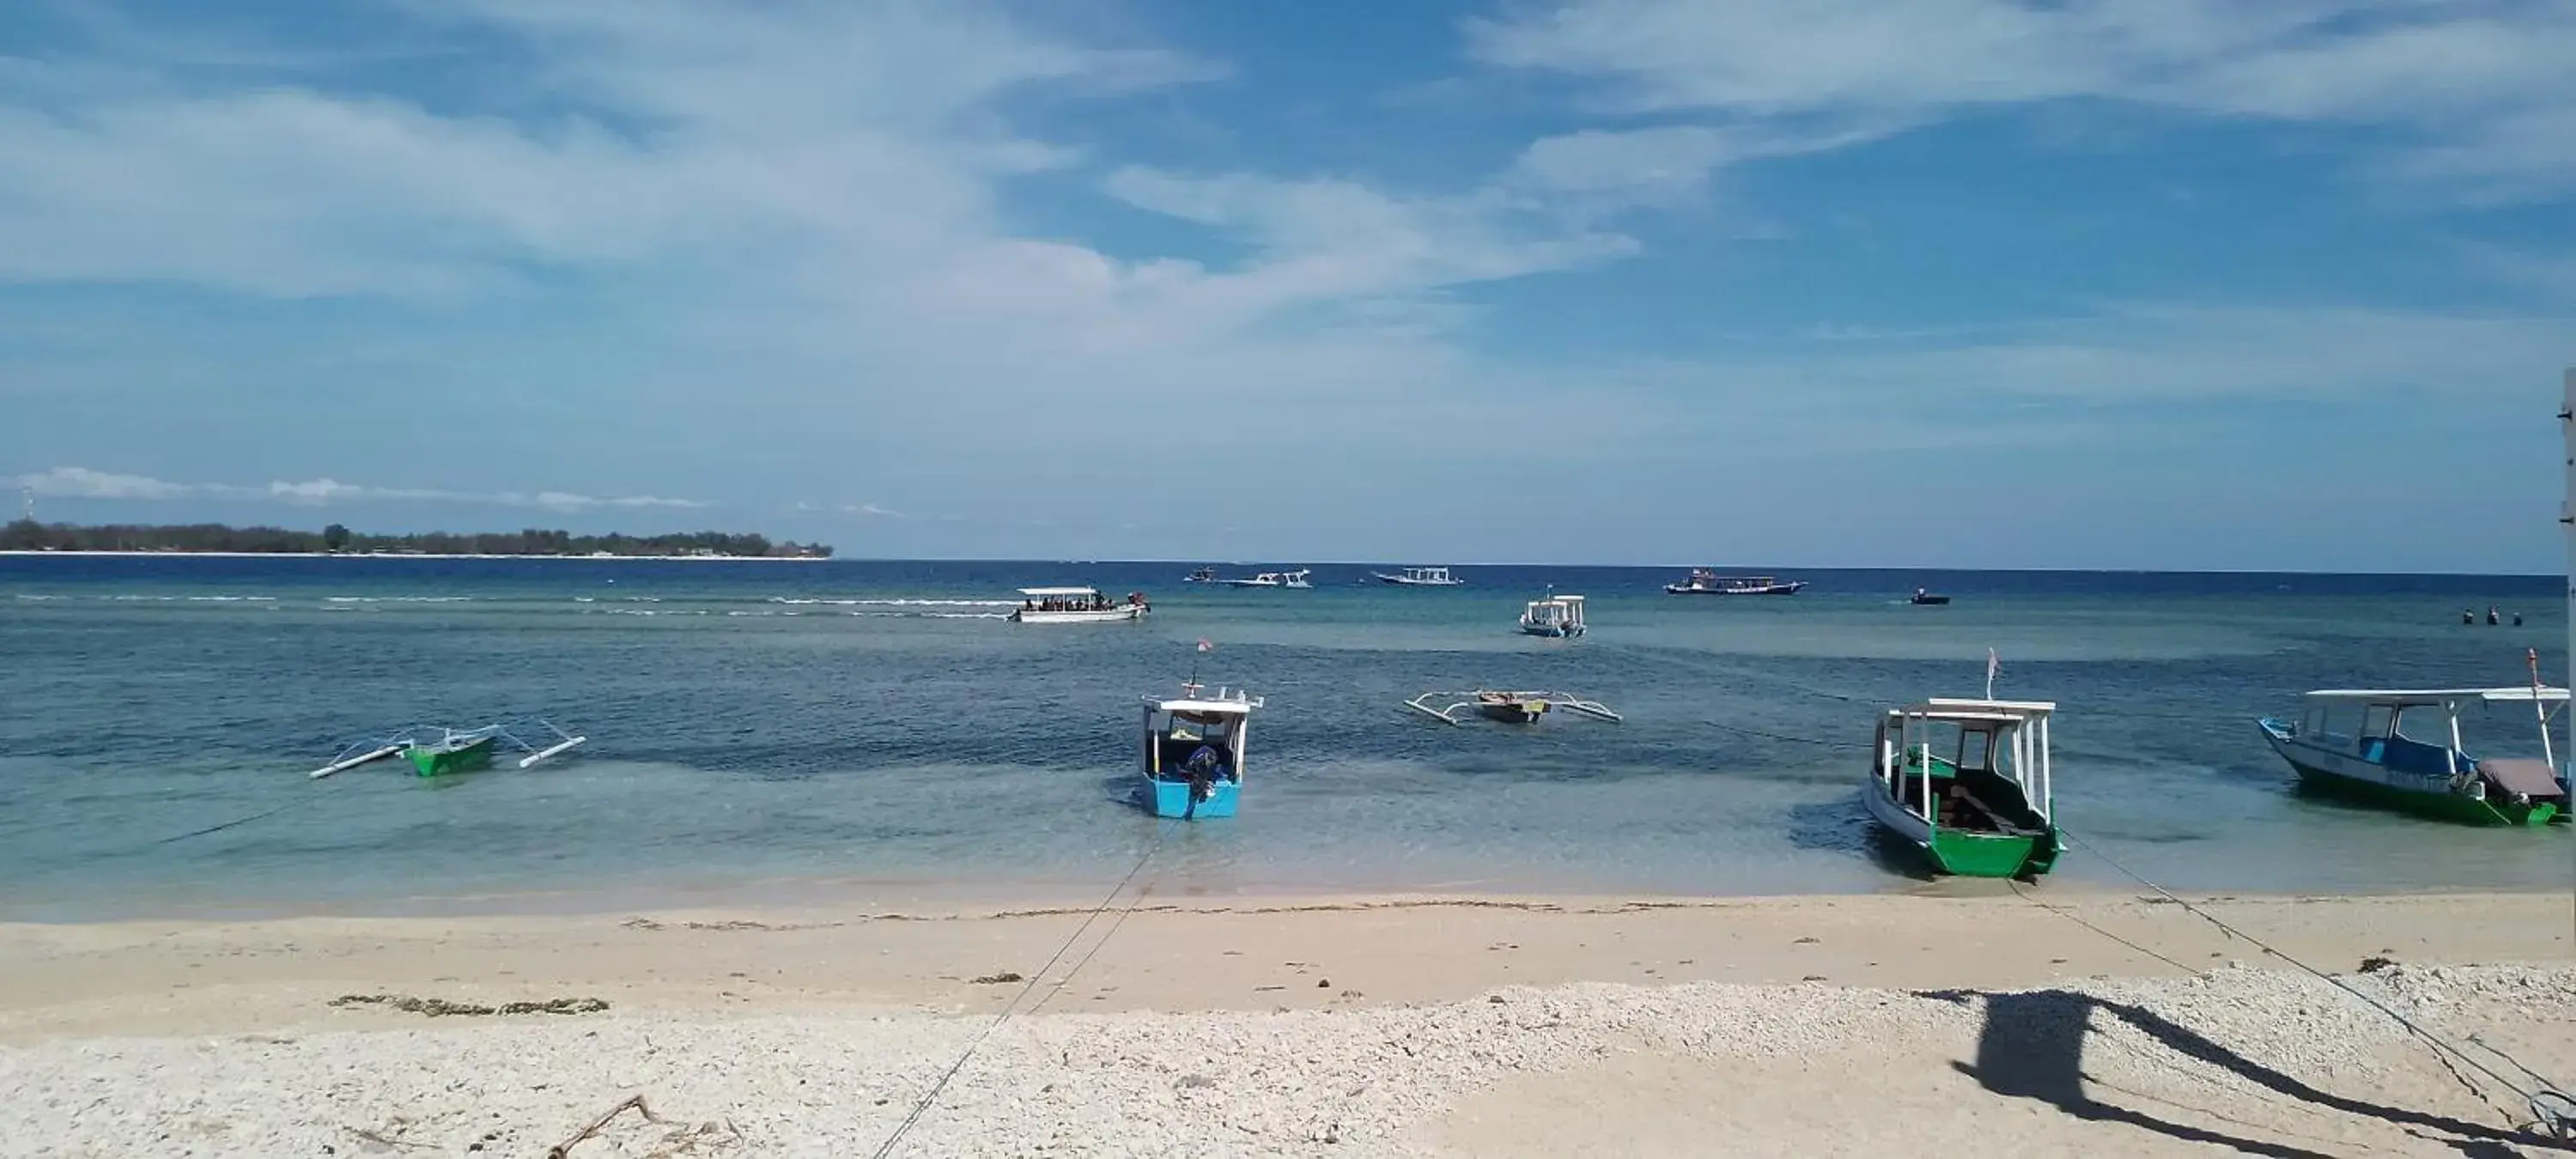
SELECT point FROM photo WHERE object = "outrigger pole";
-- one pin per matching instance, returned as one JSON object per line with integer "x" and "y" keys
{"x": 353, "y": 762}
{"x": 366, "y": 751}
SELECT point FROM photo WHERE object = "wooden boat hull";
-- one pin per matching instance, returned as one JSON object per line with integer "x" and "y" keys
{"x": 1931, "y": 601}
{"x": 1514, "y": 712}
{"x": 441, "y": 760}
{"x": 1960, "y": 852}
{"x": 1173, "y": 799}
{"x": 2346, "y": 777}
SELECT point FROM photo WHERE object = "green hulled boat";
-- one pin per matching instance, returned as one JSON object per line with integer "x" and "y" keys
{"x": 457, "y": 752}
{"x": 436, "y": 751}
{"x": 2405, "y": 750}
{"x": 1967, "y": 784}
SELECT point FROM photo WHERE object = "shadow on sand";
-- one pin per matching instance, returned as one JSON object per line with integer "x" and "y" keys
{"x": 2032, "y": 1047}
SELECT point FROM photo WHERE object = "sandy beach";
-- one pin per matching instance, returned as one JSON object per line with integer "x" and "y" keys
{"x": 1361, "y": 1026}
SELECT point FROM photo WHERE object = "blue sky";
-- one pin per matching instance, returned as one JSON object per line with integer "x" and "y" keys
{"x": 2088, "y": 283}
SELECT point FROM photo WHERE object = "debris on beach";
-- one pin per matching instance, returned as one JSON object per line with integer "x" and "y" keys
{"x": 441, "y": 1007}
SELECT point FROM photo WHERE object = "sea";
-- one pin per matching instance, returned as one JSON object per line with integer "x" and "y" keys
{"x": 782, "y": 731}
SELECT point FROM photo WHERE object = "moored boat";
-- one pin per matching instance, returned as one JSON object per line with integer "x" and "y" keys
{"x": 1273, "y": 579}
{"x": 1193, "y": 752}
{"x": 1967, "y": 783}
{"x": 1205, "y": 575}
{"x": 1558, "y": 617}
{"x": 1420, "y": 577}
{"x": 1703, "y": 582}
{"x": 1077, "y": 606}
{"x": 454, "y": 753}
{"x": 437, "y": 751}
{"x": 1506, "y": 707}
{"x": 1924, "y": 598}
{"x": 2404, "y": 749}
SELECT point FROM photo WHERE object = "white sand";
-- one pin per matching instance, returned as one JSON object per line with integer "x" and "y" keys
{"x": 2262, "y": 1060}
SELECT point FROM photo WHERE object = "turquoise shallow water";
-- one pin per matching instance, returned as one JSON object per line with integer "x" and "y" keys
{"x": 760, "y": 726}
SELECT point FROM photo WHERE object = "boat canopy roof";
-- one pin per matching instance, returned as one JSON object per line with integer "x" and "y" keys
{"x": 1038, "y": 593}
{"x": 2400, "y": 698}
{"x": 1207, "y": 707}
{"x": 1226, "y": 702}
{"x": 1947, "y": 708}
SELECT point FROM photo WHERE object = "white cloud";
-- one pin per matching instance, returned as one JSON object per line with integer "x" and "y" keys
{"x": 84, "y": 483}
{"x": 1331, "y": 239}
{"x": 778, "y": 238}
{"x": 2481, "y": 85}
{"x": 671, "y": 131}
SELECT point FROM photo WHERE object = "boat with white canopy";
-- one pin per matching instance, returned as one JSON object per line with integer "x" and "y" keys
{"x": 1273, "y": 579}
{"x": 1703, "y": 582}
{"x": 1077, "y": 606}
{"x": 1968, "y": 783}
{"x": 1193, "y": 751}
{"x": 2431, "y": 752}
{"x": 1419, "y": 577}
{"x": 1556, "y": 617}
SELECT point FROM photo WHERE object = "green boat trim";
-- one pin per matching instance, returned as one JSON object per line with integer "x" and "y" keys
{"x": 1982, "y": 822}
{"x": 437, "y": 750}
{"x": 2403, "y": 750}
{"x": 2459, "y": 808}
{"x": 463, "y": 753}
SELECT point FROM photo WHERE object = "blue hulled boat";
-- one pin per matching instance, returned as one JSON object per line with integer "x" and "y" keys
{"x": 1193, "y": 752}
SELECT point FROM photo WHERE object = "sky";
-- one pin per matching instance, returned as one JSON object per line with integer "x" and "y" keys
{"x": 2165, "y": 284}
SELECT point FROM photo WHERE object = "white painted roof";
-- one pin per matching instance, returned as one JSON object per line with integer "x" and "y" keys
{"x": 1038, "y": 592}
{"x": 2419, "y": 696}
{"x": 1224, "y": 707}
{"x": 1950, "y": 708}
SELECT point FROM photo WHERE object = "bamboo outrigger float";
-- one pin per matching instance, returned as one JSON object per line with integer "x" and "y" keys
{"x": 1507, "y": 707}
{"x": 1968, "y": 784}
{"x": 436, "y": 750}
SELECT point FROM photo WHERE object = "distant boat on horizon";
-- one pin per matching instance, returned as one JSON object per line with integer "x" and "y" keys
{"x": 1703, "y": 582}
{"x": 1273, "y": 579}
{"x": 1420, "y": 577}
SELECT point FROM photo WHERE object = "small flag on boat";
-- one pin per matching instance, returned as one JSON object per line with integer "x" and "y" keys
{"x": 1205, "y": 645}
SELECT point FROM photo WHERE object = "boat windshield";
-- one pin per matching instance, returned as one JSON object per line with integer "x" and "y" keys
{"x": 1967, "y": 747}
{"x": 1189, "y": 741}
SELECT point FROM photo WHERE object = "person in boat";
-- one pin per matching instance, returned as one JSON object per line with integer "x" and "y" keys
{"x": 2468, "y": 616}
{"x": 1201, "y": 769}
{"x": 2492, "y": 621}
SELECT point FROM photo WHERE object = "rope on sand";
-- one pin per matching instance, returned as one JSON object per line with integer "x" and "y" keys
{"x": 923, "y": 1107}
{"x": 2551, "y": 1108}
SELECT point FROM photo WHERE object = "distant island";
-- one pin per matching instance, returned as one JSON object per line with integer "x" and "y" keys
{"x": 27, "y": 535}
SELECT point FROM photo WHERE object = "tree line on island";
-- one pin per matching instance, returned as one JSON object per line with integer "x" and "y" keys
{"x": 29, "y": 535}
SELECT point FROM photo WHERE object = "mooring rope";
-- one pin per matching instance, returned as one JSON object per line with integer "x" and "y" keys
{"x": 301, "y": 799}
{"x": 1031, "y": 984}
{"x": 2550, "y": 1107}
